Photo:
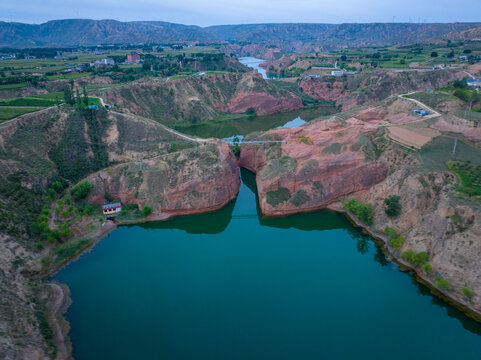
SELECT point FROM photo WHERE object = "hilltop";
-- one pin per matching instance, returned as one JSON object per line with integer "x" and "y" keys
{"x": 288, "y": 37}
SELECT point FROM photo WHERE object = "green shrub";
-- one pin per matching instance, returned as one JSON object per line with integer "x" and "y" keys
{"x": 278, "y": 196}
{"x": 68, "y": 250}
{"x": 88, "y": 209}
{"x": 363, "y": 211}
{"x": 334, "y": 148}
{"x": 408, "y": 255}
{"x": 443, "y": 284}
{"x": 397, "y": 242}
{"x": 305, "y": 139}
{"x": 39, "y": 245}
{"x": 236, "y": 149}
{"x": 418, "y": 259}
{"x": 390, "y": 232}
{"x": 57, "y": 186}
{"x": 468, "y": 292}
{"x": 51, "y": 193}
{"x": 101, "y": 219}
{"x": 109, "y": 198}
{"x": 427, "y": 267}
{"x": 393, "y": 207}
{"x": 146, "y": 210}
{"x": 81, "y": 190}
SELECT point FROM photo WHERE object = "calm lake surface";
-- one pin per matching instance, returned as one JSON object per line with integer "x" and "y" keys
{"x": 249, "y": 124}
{"x": 233, "y": 285}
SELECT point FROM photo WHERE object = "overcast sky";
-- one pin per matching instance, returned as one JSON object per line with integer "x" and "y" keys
{"x": 214, "y": 12}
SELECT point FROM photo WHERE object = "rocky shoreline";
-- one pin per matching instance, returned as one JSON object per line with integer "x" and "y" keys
{"x": 450, "y": 298}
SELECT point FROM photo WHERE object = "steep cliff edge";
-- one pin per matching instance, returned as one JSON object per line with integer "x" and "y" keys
{"x": 311, "y": 166}
{"x": 200, "y": 179}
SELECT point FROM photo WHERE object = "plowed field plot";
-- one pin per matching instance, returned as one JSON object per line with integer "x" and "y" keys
{"x": 414, "y": 137}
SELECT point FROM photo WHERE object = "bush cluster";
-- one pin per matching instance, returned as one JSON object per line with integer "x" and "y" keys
{"x": 395, "y": 240}
{"x": 393, "y": 207}
{"x": 363, "y": 211}
{"x": 81, "y": 190}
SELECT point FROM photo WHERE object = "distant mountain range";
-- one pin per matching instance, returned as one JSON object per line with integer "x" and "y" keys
{"x": 473, "y": 34}
{"x": 288, "y": 37}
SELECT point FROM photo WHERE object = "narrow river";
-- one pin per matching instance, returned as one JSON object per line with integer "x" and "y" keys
{"x": 234, "y": 285}
{"x": 254, "y": 63}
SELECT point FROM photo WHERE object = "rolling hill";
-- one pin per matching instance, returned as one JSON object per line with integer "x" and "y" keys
{"x": 288, "y": 37}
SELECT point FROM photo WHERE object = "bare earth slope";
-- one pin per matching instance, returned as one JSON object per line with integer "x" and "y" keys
{"x": 197, "y": 99}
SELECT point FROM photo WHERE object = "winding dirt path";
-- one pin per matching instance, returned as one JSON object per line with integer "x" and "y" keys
{"x": 166, "y": 128}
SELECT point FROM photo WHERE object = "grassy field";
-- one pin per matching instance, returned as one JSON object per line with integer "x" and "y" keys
{"x": 27, "y": 101}
{"x": 434, "y": 155}
{"x": 68, "y": 76}
{"x": 432, "y": 98}
{"x": 7, "y": 113}
{"x": 13, "y": 86}
{"x": 469, "y": 176}
{"x": 468, "y": 115}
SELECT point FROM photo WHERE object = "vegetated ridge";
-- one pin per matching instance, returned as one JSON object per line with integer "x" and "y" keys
{"x": 288, "y": 37}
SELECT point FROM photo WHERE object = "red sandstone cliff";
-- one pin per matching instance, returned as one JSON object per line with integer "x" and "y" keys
{"x": 195, "y": 180}
{"x": 318, "y": 164}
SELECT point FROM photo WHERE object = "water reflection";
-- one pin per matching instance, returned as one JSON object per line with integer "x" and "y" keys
{"x": 215, "y": 223}
{"x": 467, "y": 323}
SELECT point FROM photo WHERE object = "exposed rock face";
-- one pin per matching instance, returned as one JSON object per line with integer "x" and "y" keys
{"x": 362, "y": 89}
{"x": 263, "y": 103}
{"x": 319, "y": 164}
{"x": 196, "y": 99}
{"x": 434, "y": 220}
{"x": 195, "y": 180}
{"x": 255, "y": 50}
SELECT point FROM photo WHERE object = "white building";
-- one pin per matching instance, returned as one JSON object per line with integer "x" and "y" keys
{"x": 103, "y": 62}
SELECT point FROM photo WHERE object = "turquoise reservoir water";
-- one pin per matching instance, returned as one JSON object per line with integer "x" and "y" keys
{"x": 232, "y": 285}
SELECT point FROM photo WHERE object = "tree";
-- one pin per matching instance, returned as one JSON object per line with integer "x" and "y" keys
{"x": 108, "y": 197}
{"x": 434, "y": 54}
{"x": 88, "y": 209}
{"x": 427, "y": 267}
{"x": 57, "y": 186}
{"x": 443, "y": 284}
{"x": 68, "y": 95}
{"x": 468, "y": 292}
{"x": 393, "y": 207}
{"x": 86, "y": 98}
{"x": 81, "y": 190}
{"x": 78, "y": 99}
{"x": 146, "y": 210}
{"x": 236, "y": 149}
